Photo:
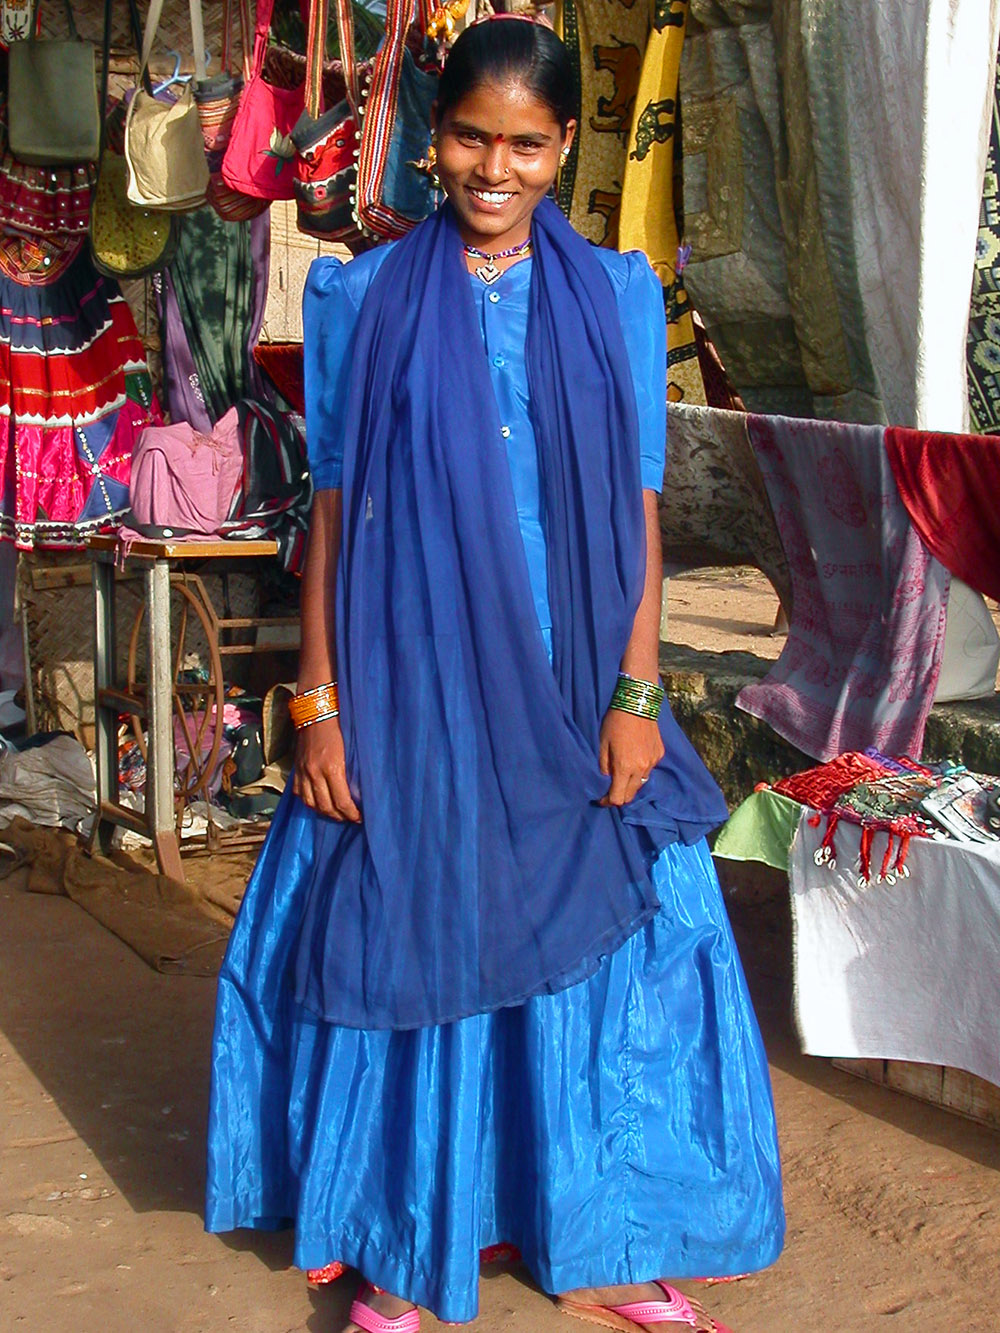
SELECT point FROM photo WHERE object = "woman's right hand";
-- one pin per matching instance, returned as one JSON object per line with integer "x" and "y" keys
{"x": 321, "y": 771}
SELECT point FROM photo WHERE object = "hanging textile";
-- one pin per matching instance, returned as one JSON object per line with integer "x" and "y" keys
{"x": 863, "y": 654}
{"x": 648, "y": 209}
{"x": 714, "y": 508}
{"x": 212, "y": 300}
{"x": 949, "y": 484}
{"x": 833, "y": 171}
{"x": 984, "y": 312}
{"x": 74, "y": 394}
{"x": 606, "y": 44}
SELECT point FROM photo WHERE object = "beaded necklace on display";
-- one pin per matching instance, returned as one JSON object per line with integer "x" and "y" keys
{"x": 489, "y": 272}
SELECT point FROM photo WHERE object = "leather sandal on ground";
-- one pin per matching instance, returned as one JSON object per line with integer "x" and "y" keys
{"x": 365, "y": 1317}
{"x": 676, "y": 1309}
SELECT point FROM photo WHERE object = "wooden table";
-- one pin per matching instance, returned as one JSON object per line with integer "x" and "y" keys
{"x": 165, "y": 565}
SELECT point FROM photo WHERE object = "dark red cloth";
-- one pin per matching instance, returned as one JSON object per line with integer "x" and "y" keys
{"x": 950, "y": 485}
{"x": 282, "y": 363}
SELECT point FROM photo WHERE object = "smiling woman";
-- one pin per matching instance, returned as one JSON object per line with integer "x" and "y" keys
{"x": 482, "y": 987}
{"x": 500, "y": 134}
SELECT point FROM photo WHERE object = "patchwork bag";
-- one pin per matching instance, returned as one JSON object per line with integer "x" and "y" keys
{"x": 52, "y": 100}
{"x": 218, "y": 100}
{"x": 164, "y": 148}
{"x": 393, "y": 194}
{"x": 326, "y": 143}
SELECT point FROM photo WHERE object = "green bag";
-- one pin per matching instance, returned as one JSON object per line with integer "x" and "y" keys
{"x": 52, "y": 100}
{"x": 125, "y": 241}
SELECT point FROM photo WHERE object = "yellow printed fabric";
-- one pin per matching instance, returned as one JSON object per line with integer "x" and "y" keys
{"x": 606, "y": 40}
{"x": 648, "y": 219}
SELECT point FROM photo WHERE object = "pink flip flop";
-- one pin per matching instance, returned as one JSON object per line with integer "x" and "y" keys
{"x": 365, "y": 1317}
{"x": 676, "y": 1309}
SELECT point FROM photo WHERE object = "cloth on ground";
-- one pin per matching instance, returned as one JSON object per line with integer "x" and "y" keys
{"x": 950, "y": 486}
{"x": 902, "y": 971}
{"x": 863, "y": 653}
{"x": 164, "y": 921}
{"x": 50, "y": 785}
{"x": 714, "y": 507}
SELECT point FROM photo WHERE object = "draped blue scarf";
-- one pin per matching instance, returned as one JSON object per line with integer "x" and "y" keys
{"x": 484, "y": 871}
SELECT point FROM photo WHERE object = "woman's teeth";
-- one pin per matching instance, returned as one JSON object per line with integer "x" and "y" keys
{"x": 493, "y": 196}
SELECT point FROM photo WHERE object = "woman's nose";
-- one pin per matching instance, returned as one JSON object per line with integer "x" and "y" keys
{"x": 494, "y": 166}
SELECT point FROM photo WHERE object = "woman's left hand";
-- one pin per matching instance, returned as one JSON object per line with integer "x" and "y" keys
{"x": 630, "y": 749}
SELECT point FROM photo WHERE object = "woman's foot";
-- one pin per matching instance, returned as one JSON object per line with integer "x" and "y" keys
{"x": 383, "y": 1306}
{"x": 597, "y": 1304}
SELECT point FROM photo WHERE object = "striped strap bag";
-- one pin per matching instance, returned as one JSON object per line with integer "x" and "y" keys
{"x": 393, "y": 194}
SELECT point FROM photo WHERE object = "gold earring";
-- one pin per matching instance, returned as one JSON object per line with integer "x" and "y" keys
{"x": 563, "y": 156}
{"x": 427, "y": 166}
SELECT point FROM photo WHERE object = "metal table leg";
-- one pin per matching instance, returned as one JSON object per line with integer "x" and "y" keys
{"x": 160, "y": 818}
{"x": 105, "y": 720}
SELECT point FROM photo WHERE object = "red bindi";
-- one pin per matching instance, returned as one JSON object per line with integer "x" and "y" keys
{"x": 499, "y": 138}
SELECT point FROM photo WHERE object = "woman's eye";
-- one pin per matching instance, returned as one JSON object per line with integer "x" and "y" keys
{"x": 470, "y": 139}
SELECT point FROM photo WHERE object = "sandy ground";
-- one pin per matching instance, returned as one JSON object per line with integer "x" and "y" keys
{"x": 893, "y": 1207}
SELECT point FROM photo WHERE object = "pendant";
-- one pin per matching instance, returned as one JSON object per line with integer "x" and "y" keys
{"x": 488, "y": 272}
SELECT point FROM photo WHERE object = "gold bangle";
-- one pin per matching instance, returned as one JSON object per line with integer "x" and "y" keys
{"x": 320, "y": 717}
{"x": 314, "y": 705}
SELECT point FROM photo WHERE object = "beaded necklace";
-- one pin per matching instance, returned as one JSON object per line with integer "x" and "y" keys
{"x": 489, "y": 272}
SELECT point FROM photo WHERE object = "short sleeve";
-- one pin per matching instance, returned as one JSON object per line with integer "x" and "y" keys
{"x": 640, "y": 304}
{"x": 329, "y": 321}
{"x": 331, "y": 304}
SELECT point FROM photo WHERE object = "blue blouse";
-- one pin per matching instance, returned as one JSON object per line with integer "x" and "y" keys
{"x": 333, "y": 297}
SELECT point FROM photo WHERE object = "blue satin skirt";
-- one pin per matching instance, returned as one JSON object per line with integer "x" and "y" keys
{"x": 618, "y": 1131}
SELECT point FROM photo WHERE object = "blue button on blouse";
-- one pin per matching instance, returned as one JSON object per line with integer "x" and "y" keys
{"x": 333, "y": 297}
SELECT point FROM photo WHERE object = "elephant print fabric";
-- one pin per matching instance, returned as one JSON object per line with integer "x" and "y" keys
{"x": 606, "y": 40}
{"x": 651, "y": 167}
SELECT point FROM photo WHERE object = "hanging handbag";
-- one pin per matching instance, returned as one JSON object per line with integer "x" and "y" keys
{"x": 257, "y": 161}
{"x": 164, "y": 149}
{"x": 125, "y": 241}
{"x": 326, "y": 143}
{"x": 52, "y": 100}
{"x": 393, "y": 194}
{"x": 218, "y": 99}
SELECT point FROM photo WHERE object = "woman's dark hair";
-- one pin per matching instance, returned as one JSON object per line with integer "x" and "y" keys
{"x": 502, "y": 50}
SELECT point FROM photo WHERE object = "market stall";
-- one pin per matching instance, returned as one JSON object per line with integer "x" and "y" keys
{"x": 894, "y": 883}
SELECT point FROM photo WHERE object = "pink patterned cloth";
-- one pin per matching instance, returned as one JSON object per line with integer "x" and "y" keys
{"x": 863, "y": 654}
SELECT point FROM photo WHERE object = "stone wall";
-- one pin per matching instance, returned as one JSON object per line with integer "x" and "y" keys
{"x": 741, "y": 751}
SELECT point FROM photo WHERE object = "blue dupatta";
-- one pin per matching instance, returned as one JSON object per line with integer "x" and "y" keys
{"x": 484, "y": 871}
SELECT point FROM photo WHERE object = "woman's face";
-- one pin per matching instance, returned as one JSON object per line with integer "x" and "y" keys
{"x": 497, "y": 157}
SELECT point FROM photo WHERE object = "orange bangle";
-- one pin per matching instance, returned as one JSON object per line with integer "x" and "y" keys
{"x": 314, "y": 705}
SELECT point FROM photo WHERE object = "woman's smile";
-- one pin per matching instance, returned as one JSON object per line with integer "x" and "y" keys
{"x": 497, "y": 158}
{"x": 491, "y": 198}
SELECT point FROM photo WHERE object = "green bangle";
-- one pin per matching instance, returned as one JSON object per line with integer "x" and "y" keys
{"x": 643, "y": 698}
